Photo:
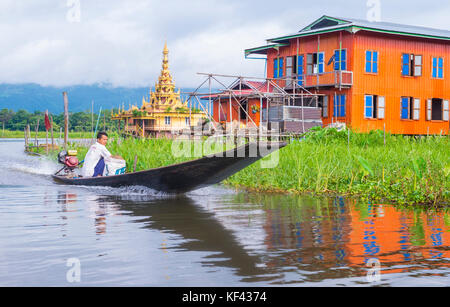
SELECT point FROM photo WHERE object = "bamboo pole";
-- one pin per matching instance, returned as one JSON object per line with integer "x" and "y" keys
{"x": 66, "y": 119}
{"x": 26, "y": 138}
{"x": 51, "y": 133}
{"x": 36, "y": 135}
{"x": 46, "y": 136}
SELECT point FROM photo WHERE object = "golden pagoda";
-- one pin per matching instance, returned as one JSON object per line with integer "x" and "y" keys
{"x": 163, "y": 113}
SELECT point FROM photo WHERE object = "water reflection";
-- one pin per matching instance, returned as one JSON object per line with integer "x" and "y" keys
{"x": 323, "y": 235}
{"x": 199, "y": 228}
{"x": 303, "y": 239}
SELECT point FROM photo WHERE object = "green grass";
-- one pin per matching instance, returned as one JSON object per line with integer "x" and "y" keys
{"x": 7, "y": 134}
{"x": 404, "y": 171}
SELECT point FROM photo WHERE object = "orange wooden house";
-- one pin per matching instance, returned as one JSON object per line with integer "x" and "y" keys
{"x": 368, "y": 75}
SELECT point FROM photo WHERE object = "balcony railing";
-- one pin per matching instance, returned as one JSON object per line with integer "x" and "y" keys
{"x": 337, "y": 79}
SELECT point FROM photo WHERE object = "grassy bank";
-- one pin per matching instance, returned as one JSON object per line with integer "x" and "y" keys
{"x": 7, "y": 134}
{"x": 406, "y": 170}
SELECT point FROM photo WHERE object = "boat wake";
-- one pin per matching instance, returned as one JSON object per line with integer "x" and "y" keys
{"x": 135, "y": 193}
{"x": 42, "y": 168}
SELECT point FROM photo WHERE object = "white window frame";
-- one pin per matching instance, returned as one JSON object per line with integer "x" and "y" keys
{"x": 429, "y": 103}
{"x": 325, "y": 107}
{"x": 381, "y": 107}
{"x": 416, "y": 109}
{"x": 445, "y": 110}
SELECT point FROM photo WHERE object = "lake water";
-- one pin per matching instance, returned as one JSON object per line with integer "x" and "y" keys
{"x": 54, "y": 235}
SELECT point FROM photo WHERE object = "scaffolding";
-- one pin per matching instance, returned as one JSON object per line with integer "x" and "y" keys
{"x": 293, "y": 103}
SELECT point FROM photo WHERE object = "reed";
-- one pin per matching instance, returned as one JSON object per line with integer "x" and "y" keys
{"x": 8, "y": 134}
{"x": 406, "y": 170}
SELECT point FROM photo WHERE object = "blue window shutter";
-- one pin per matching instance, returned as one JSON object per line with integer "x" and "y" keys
{"x": 405, "y": 66}
{"x": 435, "y": 64}
{"x": 300, "y": 59}
{"x": 441, "y": 68}
{"x": 369, "y": 106}
{"x": 275, "y": 68}
{"x": 321, "y": 60}
{"x": 342, "y": 111}
{"x": 368, "y": 61}
{"x": 375, "y": 62}
{"x": 405, "y": 107}
{"x": 336, "y": 60}
{"x": 300, "y": 64}
{"x": 280, "y": 70}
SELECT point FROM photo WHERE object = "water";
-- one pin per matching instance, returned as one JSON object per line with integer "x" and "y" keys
{"x": 210, "y": 237}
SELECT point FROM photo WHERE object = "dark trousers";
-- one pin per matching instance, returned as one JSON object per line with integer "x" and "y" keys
{"x": 99, "y": 168}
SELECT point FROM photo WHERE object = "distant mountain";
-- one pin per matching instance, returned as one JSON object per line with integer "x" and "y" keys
{"x": 33, "y": 97}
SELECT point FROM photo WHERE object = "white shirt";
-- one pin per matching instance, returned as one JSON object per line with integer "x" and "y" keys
{"x": 95, "y": 153}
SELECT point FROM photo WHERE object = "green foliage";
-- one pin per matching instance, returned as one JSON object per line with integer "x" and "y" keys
{"x": 79, "y": 121}
{"x": 181, "y": 110}
{"x": 405, "y": 171}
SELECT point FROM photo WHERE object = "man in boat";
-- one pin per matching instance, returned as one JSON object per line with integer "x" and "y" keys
{"x": 94, "y": 162}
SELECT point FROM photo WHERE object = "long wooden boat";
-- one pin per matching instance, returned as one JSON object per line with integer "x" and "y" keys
{"x": 186, "y": 176}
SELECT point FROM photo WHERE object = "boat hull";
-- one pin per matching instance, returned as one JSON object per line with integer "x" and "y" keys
{"x": 186, "y": 176}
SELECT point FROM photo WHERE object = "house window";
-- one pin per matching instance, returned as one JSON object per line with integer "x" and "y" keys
{"x": 340, "y": 59}
{"x": 187, "y": 121}
{"x": 325, "y": 107}
{"x": 290, "y": 68}
{"x": 167, "y": 120}
{"x": 300, "y": 69}
{"x": 374, "y": 106}
{"x": 411, "y": 65}
{"x": 410, "y": 108}
{"x": 437, "y": 109}
{"x": 278, "y": 68}
{"x": 438, "y": 68}
{"x": 372, "y": 62}
{"x": 315, "y": 63}
{"x": 322, "y": 102}
{"x": 339, "y": 105}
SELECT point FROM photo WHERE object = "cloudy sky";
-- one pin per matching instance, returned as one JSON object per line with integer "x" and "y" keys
{"x": 68, "y": 42}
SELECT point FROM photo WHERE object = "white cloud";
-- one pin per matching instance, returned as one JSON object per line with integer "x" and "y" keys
{"x": 121, "y": 41}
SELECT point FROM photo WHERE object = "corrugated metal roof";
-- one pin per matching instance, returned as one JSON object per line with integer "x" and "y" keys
{"x": 344, "y": 23}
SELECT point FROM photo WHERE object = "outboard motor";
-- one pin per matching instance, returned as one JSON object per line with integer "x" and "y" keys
{"x": 69, "y": 160}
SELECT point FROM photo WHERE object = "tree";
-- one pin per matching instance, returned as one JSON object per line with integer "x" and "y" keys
{"x": 5, "y": 116}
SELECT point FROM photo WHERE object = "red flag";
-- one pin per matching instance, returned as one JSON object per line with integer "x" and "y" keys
{"x": 48, "y": 125}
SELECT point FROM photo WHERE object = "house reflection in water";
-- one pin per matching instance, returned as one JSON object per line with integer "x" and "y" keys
{"x": 336, "y": 233}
